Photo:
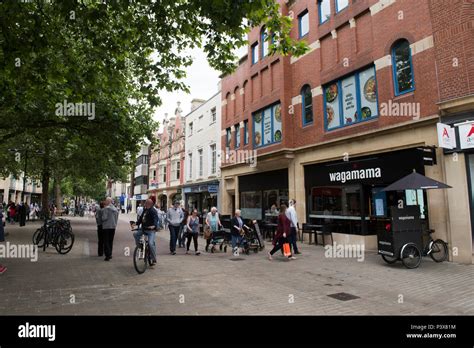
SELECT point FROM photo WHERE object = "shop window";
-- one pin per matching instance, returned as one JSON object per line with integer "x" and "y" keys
{"x": 307, "y": 105}
{"x": 341, "y": 5}
{"x": 351, "y": 100}
{"x": 324, "y": 9}
{"x": 255, "y": 53}
{"x": 402, "y": 67}
{"x": 336, "y": 202}
{"x": 251, "y": 205}
{"x": 267, "y": 126}
{"x": 303, "y": 24}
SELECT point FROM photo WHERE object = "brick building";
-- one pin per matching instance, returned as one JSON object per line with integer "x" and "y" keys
{"x": 356, "y": 113}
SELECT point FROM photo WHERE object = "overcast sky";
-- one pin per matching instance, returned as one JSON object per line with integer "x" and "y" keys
{"x": 202, "y": 81}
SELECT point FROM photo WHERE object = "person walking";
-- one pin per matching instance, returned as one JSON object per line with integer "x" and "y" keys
{"x": 192, "y": 226}
{"x": 22, "y": 214}
{"x": 282, "y": 233}
{"x": 139, "y": 210}
{"x": 3, "y": 269}
{"x": 291, "y": 214}
{"x": 183, "y": 229}
{"x": 175, "y": 217}
{"x": 109, "y": 217}
{"x": 148, "y": 223}
{"x": 100, "y": 231}
{"x": 11, "y": 212}
{"x": 213, "y": 223}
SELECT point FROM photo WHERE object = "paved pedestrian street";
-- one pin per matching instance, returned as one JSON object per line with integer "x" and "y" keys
{"x": 215, "y": 284}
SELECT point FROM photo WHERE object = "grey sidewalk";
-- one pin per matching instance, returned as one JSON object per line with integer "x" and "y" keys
{"x": 82, "y": 283}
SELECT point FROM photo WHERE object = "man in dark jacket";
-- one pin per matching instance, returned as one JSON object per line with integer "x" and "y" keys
{"x": 22, "y": 214}
{"x": 148, "y": 223}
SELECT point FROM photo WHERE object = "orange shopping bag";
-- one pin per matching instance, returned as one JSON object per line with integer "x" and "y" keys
{"x": 286, "y": 249}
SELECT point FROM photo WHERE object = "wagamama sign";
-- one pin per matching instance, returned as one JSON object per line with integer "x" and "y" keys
{"x": 356, "y": 174}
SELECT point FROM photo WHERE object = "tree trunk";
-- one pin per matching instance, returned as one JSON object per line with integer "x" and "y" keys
{"x": 57, "y": 193}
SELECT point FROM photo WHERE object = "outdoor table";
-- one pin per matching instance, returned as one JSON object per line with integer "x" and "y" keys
{"x": 315, "y": 228}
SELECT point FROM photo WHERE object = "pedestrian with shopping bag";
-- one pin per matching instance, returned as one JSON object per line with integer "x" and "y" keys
{"x": 281, "y": 240}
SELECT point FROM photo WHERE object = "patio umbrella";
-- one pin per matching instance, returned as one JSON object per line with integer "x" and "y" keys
{"x": 415, "y": 181}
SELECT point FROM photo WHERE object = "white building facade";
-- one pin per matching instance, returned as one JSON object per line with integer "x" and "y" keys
{"x": 202, "y": 154}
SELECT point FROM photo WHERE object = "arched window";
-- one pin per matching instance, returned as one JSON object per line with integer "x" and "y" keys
{"x": 265, "y": 43}
{"x": 402, "y": 67}
{"x": 307, "y": 104}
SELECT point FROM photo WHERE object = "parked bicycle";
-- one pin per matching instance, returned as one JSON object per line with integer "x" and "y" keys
{"x": 57, "y": 233}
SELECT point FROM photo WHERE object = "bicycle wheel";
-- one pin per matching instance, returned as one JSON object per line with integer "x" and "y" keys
{"x": 389, "y": 259}
{"x": 139, "y": 260}
{"x": 40, "y": 237}
{"x": 64, "y": 242}
{"x": 410, "y": 255}
{"x": 439, "y": 251}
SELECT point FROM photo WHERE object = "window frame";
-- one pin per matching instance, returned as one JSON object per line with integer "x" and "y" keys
{"x": 358, "y": 100}
{"x": 394, "y": 67}
{"x": 190, "y": 128}
{"x": 200, "y": 163}
{"x": 255, "y": 53}
{"x": 246, "y": 132}
{"x": 303, "y": 106}
{"x": 228, "y": 137}
{"x": 300, "y": 17}
{"x": 263, "y": 40}
{"x": 213, "y": 150}
{"x": 237, "y": 135}
{"x": 213, "y": 115}
{"x": 342, "y": 9}
{"x": 320, "y": 21}
{"x": 271, "y": 107}
{"x": 190, "y": 161}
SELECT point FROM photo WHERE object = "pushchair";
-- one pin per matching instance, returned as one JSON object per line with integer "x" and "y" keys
{"x": 252, "y": 239}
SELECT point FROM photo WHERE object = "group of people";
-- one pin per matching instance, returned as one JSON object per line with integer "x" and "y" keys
{"x": 184, "y": 227}
{"x": 20, "y": 212}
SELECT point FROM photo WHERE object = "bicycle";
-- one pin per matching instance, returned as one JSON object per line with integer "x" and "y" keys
{"x": 142, "y": 255}
{"x": 57, "y": 233}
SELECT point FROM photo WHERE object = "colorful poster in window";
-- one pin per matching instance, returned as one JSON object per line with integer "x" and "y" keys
{"x": 277, "y": 131}
{"x": 368, "y": 94}
{"x": 267, "y": 126}
{"x": 349, "y": 100}
{"x": 258, "y": 129}
{"x": 332, "y": 106}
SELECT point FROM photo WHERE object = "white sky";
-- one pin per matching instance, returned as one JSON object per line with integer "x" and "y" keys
{"x": 202, "y": 81}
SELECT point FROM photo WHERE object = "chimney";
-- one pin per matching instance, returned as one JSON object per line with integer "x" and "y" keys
{"x": 195, "y": 103}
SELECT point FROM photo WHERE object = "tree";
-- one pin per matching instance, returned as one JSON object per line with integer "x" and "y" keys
{"x": 79, "y": 80}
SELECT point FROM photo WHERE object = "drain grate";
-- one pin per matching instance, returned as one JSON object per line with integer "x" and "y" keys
{"x": 343, "y": 296}
{"x": 237, "y": 259}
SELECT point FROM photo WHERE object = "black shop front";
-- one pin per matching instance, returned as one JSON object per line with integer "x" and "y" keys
{"x": 347, "y": 195}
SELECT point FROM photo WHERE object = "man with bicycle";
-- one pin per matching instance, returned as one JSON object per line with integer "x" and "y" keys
{"x": 148, "y": 223}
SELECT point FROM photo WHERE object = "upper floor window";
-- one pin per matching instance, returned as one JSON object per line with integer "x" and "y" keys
{"x": 341, "y": 5}
{"x": 228, "y": 133}
{"x": 303, "y": 23}
{"x": 267, "y": 126}
{"x": 402, "y": 67}
{"x": 163, "y": 174}
{"x": 175, "y": 170}
{"x": 213, "y": 115}
{"x": 324, "y": 9}
{"x": 213, "y": 158}
{"x": 255, "y": 53}
{"x": 246, "y": 132}
{"x": 237, "y": 135}
{"x": 190, "y": 128}
{"x": 190, "y": 165}
{"x": 265, "y": 44}
{"x": 351, "y": 100}
{"x": 201, "y": 161}
{"x": 307, "y": 105}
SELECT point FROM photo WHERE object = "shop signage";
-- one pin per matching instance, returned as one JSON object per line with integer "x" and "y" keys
{"x": 368, "y": 173}
{"x": 446, "y": 136}
{"x": 466, "y": 136}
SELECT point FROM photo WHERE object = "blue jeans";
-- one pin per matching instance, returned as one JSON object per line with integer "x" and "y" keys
{"x": 181, "y": 238}
{"x": 236, "y": 240}
{"x": 174, "y": 233}
{"x": 151, "y": 240}
{"x": 293, "y": 238}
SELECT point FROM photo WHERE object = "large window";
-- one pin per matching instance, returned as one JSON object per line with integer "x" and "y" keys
{"x": 351, "y": 100}
{"x": 402, "y": 68}
{"x": 307, "y": 105}
{"x": 265, "y": 44}
{"x": 213, "y": 158}
{"x": 175, "y": 170}
{"x": 267, "y": 126}
{"x": 237, "y": 136}
{"x": 246, "y": 132}
{"x": 255, "y": 53}
{"x": 163, "y": 174}
{"x": 200, "y": 163}
{"x": 228, "y": 134}
{"x": 336, "y": 202}
{"x": 324, "y": 9}
{"x": 190, "y": 162}
{"x": 303, "y": 24}
{"x": 251, "y": 204}
{"x": 341, "y": 5}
